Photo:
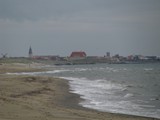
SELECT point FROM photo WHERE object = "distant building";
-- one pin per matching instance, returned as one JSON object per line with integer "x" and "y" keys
{"x": 108, "y": 54}
{"x": 47, "y": 57}
{"x": 116, "y": 56}
{"x": 78, "y": 55}
{"x": 151, "y": 57}
{"x": 30, "y": 53}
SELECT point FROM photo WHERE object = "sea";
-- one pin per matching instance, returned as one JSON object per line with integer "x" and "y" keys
{"x": 132, "y": 89}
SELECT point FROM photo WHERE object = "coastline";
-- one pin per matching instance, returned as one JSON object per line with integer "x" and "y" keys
{"x": 39, "y": 97}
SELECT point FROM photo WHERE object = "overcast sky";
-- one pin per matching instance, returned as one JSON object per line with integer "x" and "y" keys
{"x": 58, "y": 27}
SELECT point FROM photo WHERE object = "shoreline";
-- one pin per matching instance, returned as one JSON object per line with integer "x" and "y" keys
{"x": 75, "y": 100}
{"x": 42, "y": 97}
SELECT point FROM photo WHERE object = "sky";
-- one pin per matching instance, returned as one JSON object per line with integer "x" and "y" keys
{"x": 58, "y": 27}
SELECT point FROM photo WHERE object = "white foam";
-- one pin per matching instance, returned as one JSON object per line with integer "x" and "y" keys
{"x": 123, "y": 107}
{"x": 81, "y": 69}
{"x": 128, "y": 95}
{"x": 36, "y": 73}
{"x": 24, "y": 73}
{"x": 100, "y": 94}
{"x": 56, "y": 71}
{"x": 125, "y": 69}
{"x": 94, "y": 85}
{"x": 148, "y": 69}
{"x": 124, "y": 89}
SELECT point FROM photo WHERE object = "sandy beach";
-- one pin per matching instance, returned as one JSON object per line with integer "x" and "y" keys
{"x": 44, "y": 98}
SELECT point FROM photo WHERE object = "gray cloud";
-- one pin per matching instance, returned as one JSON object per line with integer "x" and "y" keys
{"x": 39, "y": 9}
{"x": 95, "y": 26}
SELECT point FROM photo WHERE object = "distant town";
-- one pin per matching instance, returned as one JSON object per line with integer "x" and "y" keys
{"x": 80, "y": 57}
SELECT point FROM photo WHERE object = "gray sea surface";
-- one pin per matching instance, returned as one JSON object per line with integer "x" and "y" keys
{"x": 132, "y": 89}
{"x": 118, "y": 88}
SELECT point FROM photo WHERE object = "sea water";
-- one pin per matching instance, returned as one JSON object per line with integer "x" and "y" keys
{"x": 118, "y": 88}
{"x": 132, "y": 89}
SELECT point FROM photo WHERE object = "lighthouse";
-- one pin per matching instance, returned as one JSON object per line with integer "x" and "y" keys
{"x": 30, "y": 53}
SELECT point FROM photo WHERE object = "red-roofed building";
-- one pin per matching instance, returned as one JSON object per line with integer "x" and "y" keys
{"x": 78, "y": 55}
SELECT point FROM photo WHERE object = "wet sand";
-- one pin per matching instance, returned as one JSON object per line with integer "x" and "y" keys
{"x": 44, "y": 98}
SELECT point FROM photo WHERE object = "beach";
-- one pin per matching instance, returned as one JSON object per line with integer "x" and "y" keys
{"x": 24, "y": 97}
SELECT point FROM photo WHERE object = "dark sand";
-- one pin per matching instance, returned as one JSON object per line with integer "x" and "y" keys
{"x": 44, "y": 98}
